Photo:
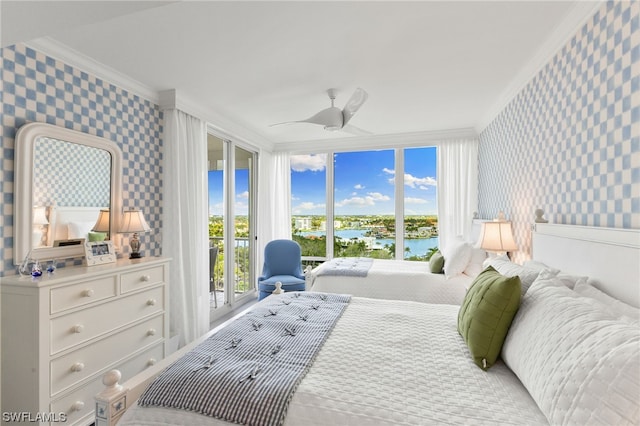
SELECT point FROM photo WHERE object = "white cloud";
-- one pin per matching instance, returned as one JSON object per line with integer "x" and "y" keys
{"x": 359, "y": 186}
{"x": 243, "y": 195}
{"x": 312, "y": 162}
{"x": 421, "y": 183}
{"x": 413, "y": 200}
{"x": 368, "y": 200}
{"x": 412, "y": 181}
{"x": 307, "y": 206}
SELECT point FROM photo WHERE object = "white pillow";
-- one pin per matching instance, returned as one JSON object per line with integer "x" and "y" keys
{"x": 578, "y": 363}
{"x": 612, "y": 305}
{"x": 534, "y": 264}
{"x": 476, "y": 261}
{"x": 570, "y": 280}
{"x": 506, "y": 267}
{"x": 79, "y": 229}
{"x": 456, "y": 259}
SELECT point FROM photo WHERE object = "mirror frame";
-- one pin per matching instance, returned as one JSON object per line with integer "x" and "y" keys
{"x": 25, "y": 141}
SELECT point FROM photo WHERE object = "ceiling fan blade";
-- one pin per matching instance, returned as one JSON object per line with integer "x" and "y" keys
{"x": 330, "y": 117}
{"x": 349, "y": 128}
{"x": 353, "y": 105}
{"x": 284, "y": 123}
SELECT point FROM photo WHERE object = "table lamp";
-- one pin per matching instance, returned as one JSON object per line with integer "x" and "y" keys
{"x": 133, "y": 221}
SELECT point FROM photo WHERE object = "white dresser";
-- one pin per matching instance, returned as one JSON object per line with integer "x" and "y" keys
{"x": 62, "y": 332}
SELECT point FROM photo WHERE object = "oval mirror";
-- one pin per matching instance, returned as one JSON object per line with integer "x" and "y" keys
{"x": 67, "y": 183}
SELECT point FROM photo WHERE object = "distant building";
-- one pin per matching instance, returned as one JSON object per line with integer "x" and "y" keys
{"x": 302, "y": 223}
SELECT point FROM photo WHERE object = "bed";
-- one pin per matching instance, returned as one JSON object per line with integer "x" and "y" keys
{"x": 401, "y": 279}
{"x": 394, "y": 280}
{"x": 71, "y": 223}
{"x": 570, "y": 355}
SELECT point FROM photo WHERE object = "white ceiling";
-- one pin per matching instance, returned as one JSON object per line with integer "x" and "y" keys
{"x": 428, "y": 66}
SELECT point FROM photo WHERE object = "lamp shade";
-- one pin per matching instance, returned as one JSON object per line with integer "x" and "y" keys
{"x": 102, "y": 224}
{"x": 40, "y": 216}
{"x": 497, "y": 237}
{"x": 133, "y": 221}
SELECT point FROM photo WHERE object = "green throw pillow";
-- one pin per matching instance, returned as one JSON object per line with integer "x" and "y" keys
{"x": 436, "y": 263}
{"x": 486, "y": 314}
{"x": 97, "y": 236}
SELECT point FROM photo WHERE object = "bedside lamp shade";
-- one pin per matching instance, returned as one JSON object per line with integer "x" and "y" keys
{"x": 102, "y": 224}
{"x": 497, "y": 237}
{"x": 39, "y": 221}
{"x": 133, "y": 221}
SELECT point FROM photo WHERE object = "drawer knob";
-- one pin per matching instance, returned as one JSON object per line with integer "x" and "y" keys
{"x": 78, "y": 366}
{"x": 77, "y": 406}
{"x": 151, "y": 302}
{"x": 152, "y": 361}
{"x": 88, "y": 292}
{"x": 151, "y": 332}
{"x": 145, "y": 278}
{"x": 78, "y": 328}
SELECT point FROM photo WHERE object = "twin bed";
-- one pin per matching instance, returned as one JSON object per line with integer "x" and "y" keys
{"x": 570, "y": 357}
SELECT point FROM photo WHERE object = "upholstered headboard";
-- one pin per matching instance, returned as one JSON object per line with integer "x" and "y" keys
{"x": 76, "y": 219}
{"x": 610, "y": 256}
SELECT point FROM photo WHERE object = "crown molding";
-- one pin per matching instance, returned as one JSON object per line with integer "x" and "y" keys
{"x": 69, "y": 56}
{"x": 165, "y": 99}
{"x": 579, "y": 14}
{"x": 358, "y": 143}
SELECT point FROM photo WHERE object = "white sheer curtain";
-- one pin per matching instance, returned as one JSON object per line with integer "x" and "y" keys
{"x": 274, "y": 200}
{"x": 457, "y": 189}
{"x": 186, "y": 223}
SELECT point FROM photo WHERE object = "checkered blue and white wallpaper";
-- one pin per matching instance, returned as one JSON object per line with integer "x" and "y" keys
{"x": 569, "y": 142}
{"x": 39, "y": 88}
{"x": 66, "y": 174}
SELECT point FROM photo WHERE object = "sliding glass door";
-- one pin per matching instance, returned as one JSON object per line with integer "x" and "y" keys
{"x": 231, "y": 195}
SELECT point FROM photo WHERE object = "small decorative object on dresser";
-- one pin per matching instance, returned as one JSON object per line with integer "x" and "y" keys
{"x": 99, "y": 253}
{"x": 62, "y": 332}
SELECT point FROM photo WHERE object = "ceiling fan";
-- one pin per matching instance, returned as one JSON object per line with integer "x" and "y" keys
{"x": 334, "y": 118}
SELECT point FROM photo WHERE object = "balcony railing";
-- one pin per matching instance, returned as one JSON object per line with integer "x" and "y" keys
{"x": 242, "y": 278}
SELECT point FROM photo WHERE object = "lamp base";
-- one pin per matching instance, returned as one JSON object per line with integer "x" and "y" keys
{"x": 135, "y": 256}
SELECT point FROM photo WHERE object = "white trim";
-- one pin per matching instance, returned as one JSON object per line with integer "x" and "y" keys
{"x": 164, "y": 99}
{"x": 579, "y": 14}
{"x": 72, "y": 57}
{"x": 613, "y": 236}
{"x": 369, "y": 143}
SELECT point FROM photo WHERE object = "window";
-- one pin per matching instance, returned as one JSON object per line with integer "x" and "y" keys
{"x": 366, "y": 204}
{"x": 308, "y": 204}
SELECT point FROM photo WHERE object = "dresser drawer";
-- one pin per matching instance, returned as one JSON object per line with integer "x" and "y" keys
{"x": 76, "y": 366}
{"x": 142, "y": 278}
{"x": 81, "y": 326}
{"x": 80, "y": 403}
{"x": 71, "y": 296}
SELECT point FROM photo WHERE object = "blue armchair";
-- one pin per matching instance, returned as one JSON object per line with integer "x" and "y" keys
{"x": 282, "y": 262}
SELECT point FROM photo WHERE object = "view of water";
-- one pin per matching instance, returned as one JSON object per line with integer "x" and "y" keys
{"x": 416, "y": 246}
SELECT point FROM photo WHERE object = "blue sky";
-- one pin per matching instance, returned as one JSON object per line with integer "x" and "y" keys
{"x": 364, "y": 183}
{"x": 216, "y": 206}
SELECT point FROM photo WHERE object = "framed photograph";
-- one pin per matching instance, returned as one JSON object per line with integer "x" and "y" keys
{"x": 99, "y": 252}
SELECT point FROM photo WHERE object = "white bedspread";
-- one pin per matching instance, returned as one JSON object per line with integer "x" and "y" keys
{"x": 391, "y": 362}
{"x": 395, "y": 280}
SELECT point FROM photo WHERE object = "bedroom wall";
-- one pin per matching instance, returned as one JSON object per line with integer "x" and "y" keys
{"x": 36, "y": 87}
{"x": 569, "y": 142}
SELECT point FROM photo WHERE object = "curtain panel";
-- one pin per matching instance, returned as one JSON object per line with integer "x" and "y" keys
{"x": 185, "y": 223}
{"x": 274, "y": 200}
{"x": 457, "y": 172}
